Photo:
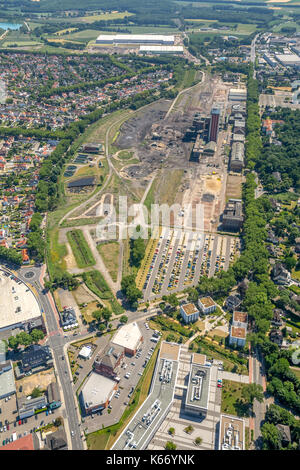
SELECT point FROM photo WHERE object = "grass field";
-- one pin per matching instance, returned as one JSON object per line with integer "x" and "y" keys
{"x": 77, "y": 36}
{"x": 296, "y": 371}
{"x": 125, "y": 155}
{"x": 80, "y": 248}
{"x": 103, "y": 17}
{"x": 232, "y": 402}
{"x": 110, "y": 255}
{"x": 97, "y": 284}
{"x": 56, "y": 253}
{"x": 83, "y": 221}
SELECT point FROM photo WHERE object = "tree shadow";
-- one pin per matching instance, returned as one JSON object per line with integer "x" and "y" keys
{"x": 242, "y": 409}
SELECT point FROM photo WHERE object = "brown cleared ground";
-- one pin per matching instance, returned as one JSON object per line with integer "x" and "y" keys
{"x": 234, "y": 187}
{"x": 41, "y": 380}
{"x": 82, "y": 296}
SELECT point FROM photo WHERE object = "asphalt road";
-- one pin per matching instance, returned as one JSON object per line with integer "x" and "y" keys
{"x": 56, "y": 341}
{"x": 259, "y": 409}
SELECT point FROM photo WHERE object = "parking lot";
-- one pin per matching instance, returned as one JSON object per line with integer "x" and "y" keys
{"x": 130, "y": 373}
{"x": 181, "y": 257}
{"x": 9, "y": 423}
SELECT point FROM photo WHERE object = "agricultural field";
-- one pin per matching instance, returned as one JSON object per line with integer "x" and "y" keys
{"x": 103, "y": 17}
{"x": 80, "y": 249}
{"x": 77, "y": 36}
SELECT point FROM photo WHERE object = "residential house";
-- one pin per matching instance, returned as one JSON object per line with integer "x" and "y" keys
{"x": 280, "y": 275}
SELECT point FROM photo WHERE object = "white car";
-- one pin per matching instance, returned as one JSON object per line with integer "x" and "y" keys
{"x": 72, "y": 433}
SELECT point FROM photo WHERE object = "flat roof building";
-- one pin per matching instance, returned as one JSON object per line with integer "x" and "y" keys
{"x": 237, "y": 156}
{"x": 240, "y": 319}
{"x": 189, "y": 313}
{"x": 18, "y": 305}
{"x": 237, "y": 335}
{"x": 135, "y": 39}
{"x": 197, "y": 395}
{"x": 129, "y": 337}
{"x": 27, "y": 407}
{"x": 288, "y": 60}
{"x": 161, "y": 49}
{"x": 7, "y": 380}
{"x": 86, "y": 352}
{"x": 96, "y": 393}
{"x": 237, "y": 94}
{"x": 207, "y": 305}
{"x": 155, "y": 408}
{"x": 231, "y": 433}
{"x": 232, "y": 215}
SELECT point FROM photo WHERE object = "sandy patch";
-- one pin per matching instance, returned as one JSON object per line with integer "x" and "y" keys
{"x": 70, "y": 259}
{"x": 82, "y": 296}
{"x": 218, "y": 332}
{"x": 213, "y": 184}
{"x": 41, "y": 380}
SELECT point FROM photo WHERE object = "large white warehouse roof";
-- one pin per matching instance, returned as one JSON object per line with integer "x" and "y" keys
{"x": 97, "y": 390}
{"x": 129, "y": 336}
{"x": 158, "y": 49}
{"x": 123, "y": 38}
{"x": 17, "y": 303}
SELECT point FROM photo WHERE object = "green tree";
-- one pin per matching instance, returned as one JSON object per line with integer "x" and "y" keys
{"x": 36, "y": 392}
{"x": 24, "y": 338}
{"x": 37, "y": 335}
{"x": 170, "y": 445}
{"x": 13, "y": 342}
{"x": 124, "y": 319}
{"x": 252, "y": 391}
{"x": 271, "y": 436}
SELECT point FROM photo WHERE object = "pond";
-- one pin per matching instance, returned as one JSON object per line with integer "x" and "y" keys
{"x": 6, "y": 26}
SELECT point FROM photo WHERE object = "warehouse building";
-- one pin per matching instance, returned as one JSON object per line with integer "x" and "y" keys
{"x": 7, "y": 380}
{"x": 135, "y": 39}
{"x": 27, "y": 407}
{"x": 20, "y": 308}
{"x": 237, "y": 94}
{"x": 237, "y": 156}
{"x": 96, "y": 393}
{"x": 128, "y": 337}
{"x": 161, "y": 49}
{"x": 288, "y": 60}
{"x": 231, "y": 433}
